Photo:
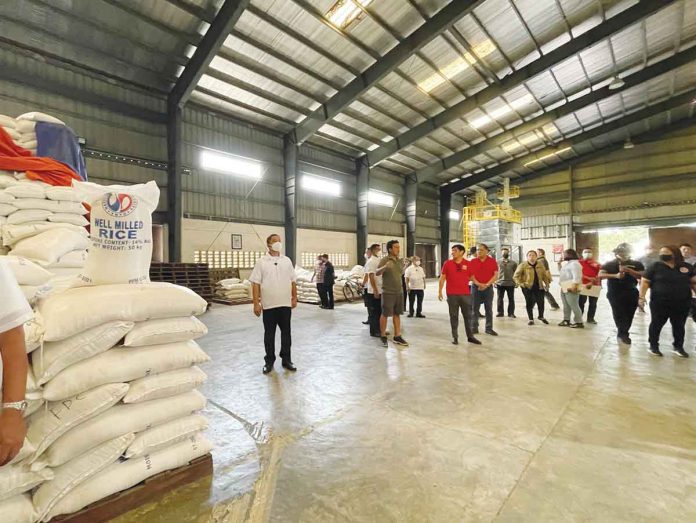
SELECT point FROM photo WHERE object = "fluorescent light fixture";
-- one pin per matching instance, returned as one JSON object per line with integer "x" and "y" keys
{"x": 320, "y": 185}
{"x": 548, "y": 156}
{"x": 616, "y": 83}
{"x": 224, "y": 163}
{"x": 454, "y": 215}
{"x": 380, "y": 198}
{"x": 455, "y": 67}
{"x": 343, "y": 12}
{"x": 628, "y": 144}
{"x": 501, "y": 111}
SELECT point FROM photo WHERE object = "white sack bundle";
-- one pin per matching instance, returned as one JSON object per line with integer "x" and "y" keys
{"x": 27, "y": 190}
{"x": 123, "y": 475}
{"x": 6, "y": 209}
{"x": 11, "y": 234}
{"x": 47, "y": 425}
{"x": 18, "y": 509}
{"x": 26, "y": 127}
{"x": 33, "y": 293}
{"x": 21, "y": 216}
{"x": 122, "y": 365}
{"x": 27, "y": 272}
{"x": 59, "y": 355}
{"x": 167, "y": 330}
{"x": 72, "y": 219}
{"x": 165, "y": 435}
{"x": 164, "y": 385}
{"x": 118, "y": 420}
{"x": 6, "y": 198}
{"x": 7, "y": 179}
{"x": 48, "y": 247}
{"x": 73, "y": 259}
{"x": 67, "y": 194}
{"x": 25, "y": 452}
{"x": 120, "y": 232}
{"x": 36, "y": 116}
{"x": 71, "y": 474}
{"x": 28, "y": 142}
{"x": 55, "y": 206}
{"x": 33, "y": 332}
{"x": 76, "y": 310}
{"x": 18, "y": 479}
{"x": 14, "y": 133}
{"x": 8, "y": 121}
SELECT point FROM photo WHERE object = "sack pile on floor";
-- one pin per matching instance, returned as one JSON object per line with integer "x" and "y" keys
{"x": 22, "y": 129}
{"x": 233, "y": 289}
{"x": 115, "y": 364}
{"x": 307, "y": 289}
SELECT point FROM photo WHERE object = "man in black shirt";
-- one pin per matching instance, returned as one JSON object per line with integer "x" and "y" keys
{"x": 623, "y": 274}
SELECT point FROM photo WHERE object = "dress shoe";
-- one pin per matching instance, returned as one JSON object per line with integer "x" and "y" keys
{"x": 410, "y": 315}
{"x": 420, "y": 315}
{"x": 499, "y": 315}
{"x": 491, "y": 332}
{"x": 455, "y": 341}
{"x": 288, "y": 365}
{"x": 267, "y": 369}
{"x": 473, "y": 341}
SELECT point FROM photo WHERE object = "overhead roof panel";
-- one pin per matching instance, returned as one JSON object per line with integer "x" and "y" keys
{"x": 478, "y": 40}
{"x": 168, "y": 14}
{"x": 664, "y": 29}
{"x": 597, "y": 61}
{"x": 235, "y": 110}
{"x": 545, "y": 21}
{"x": 570, "y": 76}
{"x": 410, "y": 93}
{"x": 504, "y": 26}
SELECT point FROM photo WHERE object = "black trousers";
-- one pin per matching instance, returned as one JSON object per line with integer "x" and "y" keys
{"x": 676, "y": 313}
{"x": 510, "y": 291}
{"x": 374, "y": 312}
{"x": 623, "y": 308}
{"x": 532, "y": 298}
{"x": 485, "y": 298}
{"x": 414, "y": 295}
{"x": 457, "y": 303}
{"x": 326, "y": 295}
{"x": 272, "y": 318}
{"x": 592, "y": 309}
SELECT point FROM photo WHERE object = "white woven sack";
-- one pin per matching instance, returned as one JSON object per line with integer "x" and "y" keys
{"x": 123, "y": 475}
{"x": 30, "y": 144}
{"x": 7, "y": 179}
{"x": 6, "y": 209}
{"x": 122, "y": 365}
{"x": 25, "y": 452}
{"x": 58, "y": 355}
{"x": 8, "y": 121}
{"x": 47, "y": 425}
{"x": 18, "y": 509}
{"x": 26, "y": 127}
{"x": 33, "y": 332}
{"x": 67, "y": 194}
{"x": 27, "y": 190}
{"x": 59, "y": 206}
{"x": 121, "y": 419}
{"x": 11, "y": 234}
{"x": 165, "y": 384}
{"x": 72, "y": 219}
{"x": 166, "y": 330}
{"x": 6, "y": 198}
{"x": 65, "y": 272}
{"x": 27, "y": 216}
{"x": 73, "y": 259}
{"x": 165, "y": 435}
{"x": 17, "y": 479}
{"x": 27, "y": 272}
{"x": 48, "y": 247}
{"x": 76, "y": 310}
{"x": 73, "y": 473}
{"x": 36, "y": 116}
{"x": 120, "y": 232}
{"x": 13, "y": 133}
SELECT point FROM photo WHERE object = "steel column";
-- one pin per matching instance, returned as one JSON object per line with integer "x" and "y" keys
{"x": 174, "y": 173}
{"x": 290, "y": 170}
{"x": 362, "y": 189}
{"x": 445, "y": 208}
{"x": 411, "y": 211}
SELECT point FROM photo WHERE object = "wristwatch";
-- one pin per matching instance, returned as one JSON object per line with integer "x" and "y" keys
{"x": 21, "y": 406}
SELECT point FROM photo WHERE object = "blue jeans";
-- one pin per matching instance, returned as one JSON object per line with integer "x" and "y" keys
{"x": 485, "y": 298}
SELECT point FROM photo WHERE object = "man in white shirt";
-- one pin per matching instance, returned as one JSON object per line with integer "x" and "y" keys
{"x": 14, "y": 312}
{"x": 415, "y": 285}
{"x": 274, "y": 291}
{"x": 374, "y": 290}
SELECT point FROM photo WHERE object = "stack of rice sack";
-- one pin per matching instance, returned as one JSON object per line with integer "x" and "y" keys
{"x": 22, "y": 129}
{"x": 233, "y": 289}
{"x": 117, "y": 369}
{"x": 306, "y": 288}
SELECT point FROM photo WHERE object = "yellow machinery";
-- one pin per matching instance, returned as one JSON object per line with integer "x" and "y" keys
{"x": 479, "y": 209}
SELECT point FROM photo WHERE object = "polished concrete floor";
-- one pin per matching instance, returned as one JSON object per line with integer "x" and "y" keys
{"x": 540, "y": 424}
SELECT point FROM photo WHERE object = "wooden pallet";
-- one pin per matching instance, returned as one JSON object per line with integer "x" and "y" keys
{"x": 149, "y": 490}
{"x": 195, "y": 276}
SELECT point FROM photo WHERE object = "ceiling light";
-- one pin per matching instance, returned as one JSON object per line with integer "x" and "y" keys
{"x": 343, "y": 12}
{"x": 320, "y": 185}
{"x": 628, "y": 144}
{"x": 224, "y": 163}
{"x": 616, "y": 83}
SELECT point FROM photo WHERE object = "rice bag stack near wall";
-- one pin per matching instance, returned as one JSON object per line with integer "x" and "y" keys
{"x": 26, "y": 127}
{"x": 233, "y": 289}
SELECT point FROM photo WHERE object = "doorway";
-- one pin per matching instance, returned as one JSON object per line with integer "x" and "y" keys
{"x": 426, "y": 252}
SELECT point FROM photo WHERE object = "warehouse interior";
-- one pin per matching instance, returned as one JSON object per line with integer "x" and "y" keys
{"x": 339, "y": 124}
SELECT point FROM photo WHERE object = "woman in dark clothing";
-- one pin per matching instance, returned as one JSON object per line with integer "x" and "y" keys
{"x": 670, "y": 281}
{"x": 329, "y": 280}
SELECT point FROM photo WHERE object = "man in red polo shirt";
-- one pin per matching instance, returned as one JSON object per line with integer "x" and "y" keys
{"x": 590, "y": 276}
{"x": 484, "y": 273}
{"x": 455, "y": 273}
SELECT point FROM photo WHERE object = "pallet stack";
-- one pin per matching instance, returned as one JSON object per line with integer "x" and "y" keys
{"x": 195, "y": 276}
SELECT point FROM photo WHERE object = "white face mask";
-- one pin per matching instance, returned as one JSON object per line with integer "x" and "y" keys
{"x": 587, "y": 255}
{"x": 277, "y": 246}
{"x": 416, "y": 263}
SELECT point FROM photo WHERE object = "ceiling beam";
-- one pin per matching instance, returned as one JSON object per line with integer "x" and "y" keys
{"x": 429, "y": 173}
{"x": 619, "y": 22}
{"x": 383, "y": 66}
{"x": 218, "y": 31}
{"x": 600, "y": 130}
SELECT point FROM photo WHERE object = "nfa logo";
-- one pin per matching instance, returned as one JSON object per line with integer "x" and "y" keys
{"x": 118, "y": 204}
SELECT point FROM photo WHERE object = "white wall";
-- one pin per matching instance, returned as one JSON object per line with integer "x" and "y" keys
{"x": 311, "y": 240}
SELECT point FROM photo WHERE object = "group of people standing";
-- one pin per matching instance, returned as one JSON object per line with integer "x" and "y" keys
{"x": 324, "y": 277}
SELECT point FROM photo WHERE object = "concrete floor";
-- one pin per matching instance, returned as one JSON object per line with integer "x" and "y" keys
{"x": 539, "y": 424}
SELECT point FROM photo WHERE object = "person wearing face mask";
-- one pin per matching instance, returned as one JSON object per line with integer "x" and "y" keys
{"x": 274, "y": 291}
{"x": 590, "y": 277}
{"x": 506, "y": 283}
{"x": 532, "y": 277}
{"x": 415, "y": 283}
{"x": 622, "y": 275}
{"x": 671, "y": 282}
{"x": 571, "y": 279}
{"x": 374, "y": 290}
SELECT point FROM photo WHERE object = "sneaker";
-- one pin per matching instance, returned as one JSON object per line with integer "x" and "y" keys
{"x": 511, "y": 316}
{"x": 455, "y": 341}
{"x": 577, "y": 325}
{"x": 592, "y": 321}
{"x": 679, "y": 351}
{"x": 491, "y": 332}
{"x": 530, "y": 322}
{"x": 544, "y": 321}
{"x": 400, "y": 341}
{"x": 473, "y": 341}
{"x": 384, "y": 340}
{"x": 564, "y": 323}
{"x": 655, "y": 351}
